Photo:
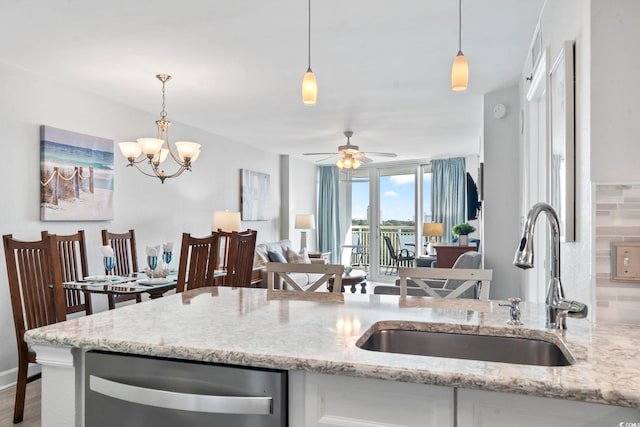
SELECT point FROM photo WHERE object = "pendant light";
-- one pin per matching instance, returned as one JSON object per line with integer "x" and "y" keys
{"x": 309, "y": 84}
{"x": 460, "y": 70}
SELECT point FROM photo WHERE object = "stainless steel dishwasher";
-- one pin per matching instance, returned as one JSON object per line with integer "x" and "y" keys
{"x": 128, "y": 390}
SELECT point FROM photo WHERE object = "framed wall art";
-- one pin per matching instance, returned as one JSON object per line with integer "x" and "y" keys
{"x": 254, "y": 195}
{"x": 562, "y": 166}
{"x": 76, "y": 176}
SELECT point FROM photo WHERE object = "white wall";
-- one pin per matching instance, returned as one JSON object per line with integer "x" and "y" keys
{"x": 500, "y": 208}
{"x": 158, "y": 212}
{"x": 562, "y": 20}
{"x": 615, "y": 124}
{"x": 303, "y": 199}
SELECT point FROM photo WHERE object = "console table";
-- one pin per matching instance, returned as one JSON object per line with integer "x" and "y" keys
{"x": 326, "y": 256}
{"x": 446, "y": 255}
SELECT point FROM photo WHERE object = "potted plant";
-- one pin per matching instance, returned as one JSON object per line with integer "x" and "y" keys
{"x": 462, "y": 230}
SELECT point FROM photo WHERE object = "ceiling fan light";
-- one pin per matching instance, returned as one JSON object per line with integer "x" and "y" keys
{"x": 309, "y": 88}
{"x": 460, "y": 73}
{"x": 340, "y": 163}
{"x": 356, "y": 164}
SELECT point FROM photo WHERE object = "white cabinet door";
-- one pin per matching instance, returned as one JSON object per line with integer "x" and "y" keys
{"x": 489, "y": 409}
{"x": 360, "y": 402}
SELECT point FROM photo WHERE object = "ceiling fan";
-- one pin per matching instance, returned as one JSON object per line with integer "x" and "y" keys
{"x": 350, "y": 155}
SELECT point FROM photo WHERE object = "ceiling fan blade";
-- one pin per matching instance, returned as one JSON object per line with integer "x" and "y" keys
{"x": 373, "y": 153}
{"x": 364, "y": 159}
{"x": 320, "y": 154}
{"x": 333, "y": 156}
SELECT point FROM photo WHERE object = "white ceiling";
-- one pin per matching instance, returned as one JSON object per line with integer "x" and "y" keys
{"x": 383, "y": 67}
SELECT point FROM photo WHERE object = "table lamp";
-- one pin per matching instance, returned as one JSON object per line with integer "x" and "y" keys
{"x": 432, "y": 229}
{"x": 226, "y": 221}
{"x": 304, "y": 222}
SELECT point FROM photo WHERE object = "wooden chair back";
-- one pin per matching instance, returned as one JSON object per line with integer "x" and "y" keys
{"x": 239, "y": 250}
{"x": 198, "y": 261}
{"x": 124, "y": 249}
{"x": 37, "y": 298}
{"x": 72, "y": 252}
{"x": 279, "y": 271}
{"x": 420, "y": 275}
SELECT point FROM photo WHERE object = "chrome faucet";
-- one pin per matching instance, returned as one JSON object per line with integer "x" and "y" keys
{"x": 558, "y": 308}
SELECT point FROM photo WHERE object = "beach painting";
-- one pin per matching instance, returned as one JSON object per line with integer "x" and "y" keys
{"x": 254, "y": 195}
{"x": 76, "y": 176}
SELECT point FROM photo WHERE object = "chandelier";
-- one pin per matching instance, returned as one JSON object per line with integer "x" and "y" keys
{"x": 156, "y": 150}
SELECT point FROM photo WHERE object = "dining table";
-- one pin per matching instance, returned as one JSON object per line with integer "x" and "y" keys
{"x": 137, "y": 283}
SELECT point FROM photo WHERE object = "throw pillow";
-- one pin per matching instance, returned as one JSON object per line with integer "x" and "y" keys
{"x": 275, "y": 256}
{"x": 298, "y": 257}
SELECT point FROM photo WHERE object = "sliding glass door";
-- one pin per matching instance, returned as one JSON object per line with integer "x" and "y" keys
{"x": 385, "y": 208}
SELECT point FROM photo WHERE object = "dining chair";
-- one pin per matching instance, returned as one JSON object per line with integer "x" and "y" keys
{"x": 457, "y": 281}
{"x": 37, "y": 299}
{"x": 72, "y": 252}
{"x": 124, "y": 249}
{"x": 198, "y": 261}
{"x": 239, "y": 253}
{"x": 282, "y": 272}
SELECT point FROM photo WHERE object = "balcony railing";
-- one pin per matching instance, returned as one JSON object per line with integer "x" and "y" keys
{"x": 402, "y": 237}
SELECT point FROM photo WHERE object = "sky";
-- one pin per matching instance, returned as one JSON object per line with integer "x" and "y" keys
{"x": 396, "y": 197}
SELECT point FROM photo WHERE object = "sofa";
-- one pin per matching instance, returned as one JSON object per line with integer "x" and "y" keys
{"x": 270, "y": 251}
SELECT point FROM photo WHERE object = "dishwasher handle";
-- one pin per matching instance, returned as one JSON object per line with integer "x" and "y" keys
{"x": 182, "y": 401}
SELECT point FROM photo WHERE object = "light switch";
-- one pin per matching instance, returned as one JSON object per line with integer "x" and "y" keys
{"x": 625, "y": 261}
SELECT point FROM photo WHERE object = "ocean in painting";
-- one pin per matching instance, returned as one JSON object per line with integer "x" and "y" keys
{"x": 70, "y": 156}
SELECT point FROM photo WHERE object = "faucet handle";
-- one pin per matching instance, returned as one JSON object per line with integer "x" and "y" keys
{"x": 514, "y": 311}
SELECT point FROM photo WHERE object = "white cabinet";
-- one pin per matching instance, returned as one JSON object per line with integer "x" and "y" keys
{"x": 489, "y": 409}
{"x": 319, "y": 400}
{"x": 338, "y": 401}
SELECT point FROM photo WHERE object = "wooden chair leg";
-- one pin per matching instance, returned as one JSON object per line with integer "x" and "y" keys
{"x": 21, "y": 389}
{"x": 138, "y": 299}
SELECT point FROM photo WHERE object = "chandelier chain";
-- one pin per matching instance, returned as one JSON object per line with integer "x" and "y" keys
{"x": 163, "y": 113}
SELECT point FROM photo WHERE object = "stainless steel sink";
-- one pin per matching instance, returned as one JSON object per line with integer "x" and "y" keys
{"x": 488, "y": 348}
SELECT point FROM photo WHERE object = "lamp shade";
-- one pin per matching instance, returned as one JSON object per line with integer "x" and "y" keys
{"x": 150, "y": 146}
{"x": 433, "y": 229}
{"x": 130, "y": 150}
{"x": 309, "y": 88}
{"x": 459, "y": 72}
{"x": 305, "y": 222}
{"x": 226, "y": 221}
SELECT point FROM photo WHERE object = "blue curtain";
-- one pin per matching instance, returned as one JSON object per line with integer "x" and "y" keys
{"x": 328, "y": 219}
{"x": 448, "y": 194}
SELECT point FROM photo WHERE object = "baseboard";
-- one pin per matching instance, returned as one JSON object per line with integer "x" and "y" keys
{"x": 8, "y": 378}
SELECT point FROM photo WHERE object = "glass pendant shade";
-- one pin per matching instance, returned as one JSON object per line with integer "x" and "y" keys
{"x": 187, "y": 150}
{"x": 161, "y": 156}
{"x": 340, "y": 163}
{"x": 356, "y": 164}
{"x": 460, "y": 73}
{"x": 130, "y": 150}
{"x": 150, "y": 146}
{"x": 309, "y": 88}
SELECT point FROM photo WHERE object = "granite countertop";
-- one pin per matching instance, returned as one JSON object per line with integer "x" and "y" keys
{"x": 317, "y": 332}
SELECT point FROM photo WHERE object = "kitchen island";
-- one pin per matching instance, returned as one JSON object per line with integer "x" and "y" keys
{"x": 314, "y": 336}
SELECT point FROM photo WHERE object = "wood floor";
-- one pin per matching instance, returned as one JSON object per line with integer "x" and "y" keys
{"x": 31, "y": 407}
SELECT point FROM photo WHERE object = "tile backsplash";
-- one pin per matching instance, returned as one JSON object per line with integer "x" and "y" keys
{"x": 617, "y": 220}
